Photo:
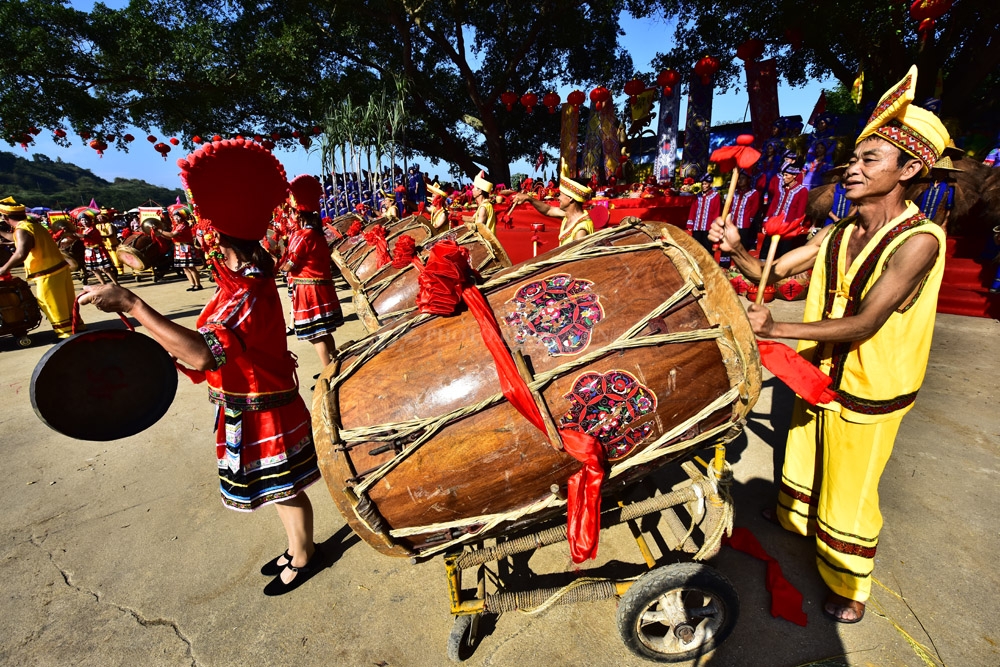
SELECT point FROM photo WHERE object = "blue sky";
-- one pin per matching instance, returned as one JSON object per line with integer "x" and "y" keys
{"x": 642, "y": 39}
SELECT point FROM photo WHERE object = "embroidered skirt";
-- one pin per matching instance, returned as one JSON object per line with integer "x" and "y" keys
{"x": 264, "y": 455}
{"x": 315, "y": 308}
{"x": 184, "y": 257}
{"x": 96, "y": 258}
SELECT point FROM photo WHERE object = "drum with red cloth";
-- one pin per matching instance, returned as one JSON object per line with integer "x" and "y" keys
{"x": 71, "y": 249}
{"x": 793, "y": 288}
{"x": 19, "y": 311}
{"x": 365, "y": 263}
{"x": 390, "y": 292}
{"x": 351, "y": 252}
{"x": 632, "y": 337}
{"x": 335, "y": 230}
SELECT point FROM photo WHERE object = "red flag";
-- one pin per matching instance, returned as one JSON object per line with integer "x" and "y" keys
{"x": 819, "y": 109}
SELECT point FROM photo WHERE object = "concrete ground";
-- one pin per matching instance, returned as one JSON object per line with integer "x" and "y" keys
{"x": 120, "y": 553}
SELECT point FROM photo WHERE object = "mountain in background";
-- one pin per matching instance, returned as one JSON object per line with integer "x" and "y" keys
{"x": 55, "y": 184}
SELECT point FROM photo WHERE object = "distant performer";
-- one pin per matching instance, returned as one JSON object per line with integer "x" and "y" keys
{"x": 44, "y": 264}
{"x": 704, "y": 209}
{"x": 576, "y": 223}
{"x": 485, "y": 215}
{"x": 182, "y": 235}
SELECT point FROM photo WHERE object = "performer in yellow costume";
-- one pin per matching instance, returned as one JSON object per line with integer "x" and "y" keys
{"x": 485, "y": 215}
{"x": 868, "y": 323}
{"x": 439, "y": 215}
{"x": 44, "y": 265}
{"x": 576, "y": 222}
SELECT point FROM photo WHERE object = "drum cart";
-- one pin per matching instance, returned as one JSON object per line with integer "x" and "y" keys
{"x": 19, "y": 311}
{"x": 675, "y": 612}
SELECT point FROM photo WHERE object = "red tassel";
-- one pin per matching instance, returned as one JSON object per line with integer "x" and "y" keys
{"x": 802, "y": 377}
{"x": 405, "y": 251}
{"x": 355, "y": 228}
{"x": 375, "y": 237}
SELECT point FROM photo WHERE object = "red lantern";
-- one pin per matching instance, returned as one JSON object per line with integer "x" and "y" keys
{"x": 258, "y": 138}
{"x": 508, "y": 99}
{"x": 99, "y": 146}
{"x": 706, "y": 68}
{"x": 268, "y": 144}
{"x": 529, "y": 100}
{"x": 794, "y": 37}
{"x": 216, "y": 137}
{"x": 275, "y": 136}
{"x": 600, "y": 96}
{"x": 551, "y": 101}
{"x": 634, "y": 88}
{"x": 921, "y": 10}
{"x": 196, "y": 139}
{"x": 667, "y": 79}
{"x": 576, "y": 98}
{"x": 317, "y": 130}
{"x": 151, "y": 139}
{"x": 162, "y": 149}
{"x": 59, "y": 132}
{"x": 174, "y": 141}
{"x": 128, "y": 138}
{"x": 750, "y": 50}
{"x": 296, "y": 134}
{"x": 34, "y": 130}
{"x": 25, "y": 139}
{"x": 85, "y": 135}
{"x": 305, "y": 141}
{"x": 109, "y": 137}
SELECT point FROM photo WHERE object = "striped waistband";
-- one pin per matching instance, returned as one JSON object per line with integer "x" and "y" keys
{"x": 312, "y": 281}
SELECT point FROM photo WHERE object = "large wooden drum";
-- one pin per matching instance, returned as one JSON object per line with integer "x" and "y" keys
{"x": 19, "y": 311}
{"x": 389, "y": 293}
{"x": 140, "y": 252}
{"x": 636, "y": 338}
{"x": 357, "y": 260}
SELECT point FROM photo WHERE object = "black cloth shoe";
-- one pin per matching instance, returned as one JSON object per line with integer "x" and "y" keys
{"x": 302, "y": 575}
{"x": 272, "y": 568}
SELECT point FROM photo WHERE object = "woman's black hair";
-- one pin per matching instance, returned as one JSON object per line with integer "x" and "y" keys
{"x": 310, "y": 219}
{"x": 252, "y": 252}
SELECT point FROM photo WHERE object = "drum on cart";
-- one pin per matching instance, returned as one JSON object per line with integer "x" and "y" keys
{"x": 140, "y": 252}
{"x": 19, "y": 311}
{"x": 388, "y": 293}
{"x": 631, "y": 334}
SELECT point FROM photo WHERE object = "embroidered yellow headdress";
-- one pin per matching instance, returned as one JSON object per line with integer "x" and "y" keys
{"x": 913, "y": 130}
{"x": 8, "y": 205}
{"x": 570, "y": 188}
{"x": 480, "y": 182}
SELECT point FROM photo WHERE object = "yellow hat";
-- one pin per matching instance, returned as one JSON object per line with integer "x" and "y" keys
{"x": 480, "y": 182}
{"x": 913, "y": 130}
{"x": 436, "y": 189}
{"x": 570, "y": 188}
{"x": 8, "y": 205}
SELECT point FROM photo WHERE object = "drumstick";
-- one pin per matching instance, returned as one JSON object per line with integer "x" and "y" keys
{"x": 728, "y": 206}
{"x": 767, "y": 268}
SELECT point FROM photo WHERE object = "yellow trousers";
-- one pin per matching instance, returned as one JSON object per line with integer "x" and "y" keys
{"x": 829, "y": 488}
{"x": 55, "y": 299}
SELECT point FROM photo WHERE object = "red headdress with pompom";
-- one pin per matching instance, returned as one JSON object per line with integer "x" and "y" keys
{"x": 306, "y": 193}
{"x": 235, "y": 186}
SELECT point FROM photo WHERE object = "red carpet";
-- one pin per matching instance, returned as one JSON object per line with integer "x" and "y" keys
{"x": 966, "y": 279}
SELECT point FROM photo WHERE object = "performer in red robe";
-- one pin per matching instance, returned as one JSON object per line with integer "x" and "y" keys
{"x": 263, "y": 431}
{"x": 95, "y": 256}
{"x": 182, "y": 235}
{"x": 316, "y": 311}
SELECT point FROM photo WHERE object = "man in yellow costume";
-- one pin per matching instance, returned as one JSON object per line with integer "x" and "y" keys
{"x": 44, "y": 264}
{"x": 868, "y": 322}
{"x": 439, "y": 214}
{"x": 485, "y": 215}
{"x": 576, "y": 222}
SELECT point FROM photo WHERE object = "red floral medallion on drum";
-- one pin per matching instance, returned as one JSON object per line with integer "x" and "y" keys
{"x": 263, "y": 431}
{"x": 316, "y": 308}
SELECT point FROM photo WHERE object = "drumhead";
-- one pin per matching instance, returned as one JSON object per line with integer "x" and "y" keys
{"x": 103, "y": 385}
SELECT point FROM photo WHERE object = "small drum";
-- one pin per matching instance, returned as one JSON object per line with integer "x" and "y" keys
{"x": 793, "y": 288}
{"x": 633, "y": 337}
{"x": 72, "y": 251}
{"x": 19, "y": 311}
{"x": 389, "y": 293}
{"x": 140, "y": 252}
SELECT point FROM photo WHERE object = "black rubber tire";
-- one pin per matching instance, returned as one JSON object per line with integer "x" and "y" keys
{"x": 698, "y": 588}
{"x": 460, "y": 643}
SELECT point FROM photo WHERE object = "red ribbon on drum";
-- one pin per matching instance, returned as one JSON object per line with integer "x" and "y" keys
{"x": 445, "y": 280}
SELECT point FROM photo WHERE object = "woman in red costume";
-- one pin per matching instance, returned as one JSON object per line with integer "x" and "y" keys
{"x": 95, "y": 257}
{"x": 263, "y": 437}
{"x": 316, "y": 311}
{"x": 182, "y": 234}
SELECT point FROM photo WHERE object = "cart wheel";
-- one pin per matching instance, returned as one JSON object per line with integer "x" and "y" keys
{"x": 678, "y": 613}
{"x": 462, "y": 640}
{"x": 24, "y": 341}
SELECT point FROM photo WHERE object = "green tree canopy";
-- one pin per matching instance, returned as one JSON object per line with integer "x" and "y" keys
{"x": 229, "y": 66}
